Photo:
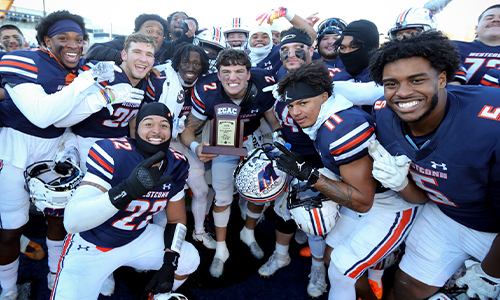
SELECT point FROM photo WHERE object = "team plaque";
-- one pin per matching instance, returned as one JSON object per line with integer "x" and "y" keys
{"x": 226, "y": 131}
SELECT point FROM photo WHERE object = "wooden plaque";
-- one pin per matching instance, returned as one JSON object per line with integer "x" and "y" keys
{"x": 226, "y": 131}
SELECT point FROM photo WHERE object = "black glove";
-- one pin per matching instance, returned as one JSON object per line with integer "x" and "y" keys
{"x": 293, "y": 163}
{"x": 163, "y": 280}
{"x": 185, "y": 27}
{"x": 143, "y": 179}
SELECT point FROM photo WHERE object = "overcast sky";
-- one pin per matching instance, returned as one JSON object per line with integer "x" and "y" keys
{"x": 456, "y": 19}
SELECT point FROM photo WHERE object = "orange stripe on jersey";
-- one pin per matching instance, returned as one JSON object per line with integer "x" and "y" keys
{"x": 150, "y": 91}
{"x": 103, "y": 249}
{"x": 487, "y": 83}
{"x": 329, "y": 125}
{"x": 196, "y": 99}
{"x": 19, "y": 65}
{"x": 317, "y": 219}
{"x": 354, "y": 142}
{"x": 396, "y": 235}
{"x": 85, "y": 67}
{"x": 69, "y": 78}
{"x": 100, "y": 161}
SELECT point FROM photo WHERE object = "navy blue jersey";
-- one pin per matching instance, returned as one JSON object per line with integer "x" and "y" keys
{"x": 344, "y": 138}
{"x": 336, "y": 63}
{"x": 104, "y": 125}
{"x": 113, "y": 160}
{"x": 208, "y": 92}
{"x": 477, "y": 59}
{"x": 154, "y": 87}
{"x": 272, "y": 62}
{"x": 492, "y": 78}
{"x": 39, "y": 67}
{"x": 459, "y": 168}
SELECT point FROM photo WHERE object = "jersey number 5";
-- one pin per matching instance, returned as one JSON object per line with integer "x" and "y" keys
{"x": 436, "y": 196}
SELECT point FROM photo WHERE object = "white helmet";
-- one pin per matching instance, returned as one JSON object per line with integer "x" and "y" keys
{"x": 258, "y": 179}
{"x": 415, "y": 17}
{"x": 51, "y": 186}
{"x": 214, "y": 39}
{"x": 236, "y": 25}
{"x": 313, "y": 212}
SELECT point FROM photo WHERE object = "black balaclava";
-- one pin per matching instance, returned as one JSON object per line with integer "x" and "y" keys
{"x": 355, "y": 62}
{"x": 157, "y": 109}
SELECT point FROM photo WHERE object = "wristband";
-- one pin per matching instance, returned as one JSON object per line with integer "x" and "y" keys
{"x": 313, "y": 178}
{"x": 289, "y": 16}
{"x": 193, "y": 146}
{"x": 174, "y": 236}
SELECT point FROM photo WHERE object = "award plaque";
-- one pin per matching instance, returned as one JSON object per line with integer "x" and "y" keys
{"x": 226, "y": 131}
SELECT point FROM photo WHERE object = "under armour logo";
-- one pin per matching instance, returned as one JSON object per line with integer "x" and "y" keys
{"x": 86, "y": 248}
{"x": 286, "y": 96}
{"x": 300, "y": 165}
{"x": 254, "y": 111}
{"x": 443, "y": 165}
{"x": 167, "y": 186}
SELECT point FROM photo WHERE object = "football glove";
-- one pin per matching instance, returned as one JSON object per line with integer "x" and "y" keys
{"x": 163, "y": 280}
{"x": 390, "y": 171}
{"x": 121, "y": 93}
{"x": 104, "y": 71}
{"x": 479, "y": 284}
{"x": 144, "y": 178}
{"x": 275, "y": 14}
{"x": 293, "y": 163}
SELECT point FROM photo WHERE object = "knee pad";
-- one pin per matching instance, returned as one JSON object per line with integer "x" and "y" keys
{"x": 287, "y": 227}
{"x": 222, "y": 218}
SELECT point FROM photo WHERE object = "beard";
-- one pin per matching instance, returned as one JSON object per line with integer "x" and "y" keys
{"x": 328, "y": 55}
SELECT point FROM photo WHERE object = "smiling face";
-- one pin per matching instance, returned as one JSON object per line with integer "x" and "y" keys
{"x": 67, "y": 47}
{"x": 234, "y": 80}
{"x": 488, "y": 28}
{"x": 12, "y": 40}
{"x": 190, "y": 67}
{"x": 305, "y": 111}
{"x": 155, "y": 30}
{"x": 260, "y": 39}
{"x": 154, "y": 129}
{"x": 326, "y": 48}
{"x": 236, "y": 39}
{"x": 415, "y": 92}
{"x": 137, "y": 61}
{"x": 295, "y": 55}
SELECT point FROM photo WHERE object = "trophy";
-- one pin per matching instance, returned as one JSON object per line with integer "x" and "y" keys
{"x": 226, "y": 131}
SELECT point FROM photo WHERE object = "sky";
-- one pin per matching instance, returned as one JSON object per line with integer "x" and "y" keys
{"x": 457, "y": 19}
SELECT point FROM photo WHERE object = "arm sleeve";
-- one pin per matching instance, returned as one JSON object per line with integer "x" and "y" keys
{"x": 109, "y": 51}
{"x": 359, "y": 93}
{"x": 44, "y": 109}
{"x": 88, "y": 208}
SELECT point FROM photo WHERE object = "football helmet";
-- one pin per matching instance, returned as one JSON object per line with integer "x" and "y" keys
{"x": 415, "y": 17}
{"x": 313, "y": 212}
{"x": 236, "y": 25}
{"x": 330, "y": 26}
{"x": 212, "y": 41}
{"x": 51, "y": 185}
{"x": 258, "y": 179}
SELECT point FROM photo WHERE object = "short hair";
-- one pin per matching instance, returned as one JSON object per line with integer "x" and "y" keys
{"x": 315, "y": 74}
{"x": 233, "y": 57}
{"x": 138, "y": 38}
{"x": 482, "y": 14}
{"x": 10, "y": 26}
{"x": 143, "y": 18}
{"x": 431, "y": 45}
{"x": 48, "y": 21}
{"x": 183, "y": 51}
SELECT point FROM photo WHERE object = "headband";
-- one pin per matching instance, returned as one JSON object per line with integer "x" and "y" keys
{"x": 301, "y": 91}
{"x": 295, "y": 36}
{"x": 62, "y": 26}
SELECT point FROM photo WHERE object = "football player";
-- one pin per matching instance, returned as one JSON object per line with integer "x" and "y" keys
{"x": 174, "y": 30}
{"x": 108, "y": 218}
{"x": 329, "y": 31}
{"x": 188, "y": 64}
{"x": 419, "y": 120}
{"x": 42, "y": 87}
{"x": 236, "y": 34}
{"x": 234, "y": 83}
{"x": 481, "y": 55}
{"x": 370, "y": 226}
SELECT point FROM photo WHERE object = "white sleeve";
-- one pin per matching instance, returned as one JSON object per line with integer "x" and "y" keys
{"x": 44, "y": 109}
{"x": 359, "y": 93}
{"x": 93, "y": 103}
{"x": 88, "y": 208}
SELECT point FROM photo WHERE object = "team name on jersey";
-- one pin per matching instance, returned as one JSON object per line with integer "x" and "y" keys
{"x": 155, "y": 194}
{"x": 227, "y": 111}
{"x": 483, "y": 54}
{"x": 432, "y": 173}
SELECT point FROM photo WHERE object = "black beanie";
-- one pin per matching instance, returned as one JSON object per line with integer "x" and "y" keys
{"x": 365, "y": 30}
{"x": 157, "y": 109}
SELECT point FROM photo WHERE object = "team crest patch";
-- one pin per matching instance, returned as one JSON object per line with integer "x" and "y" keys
{"x": 180, "y": 97}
